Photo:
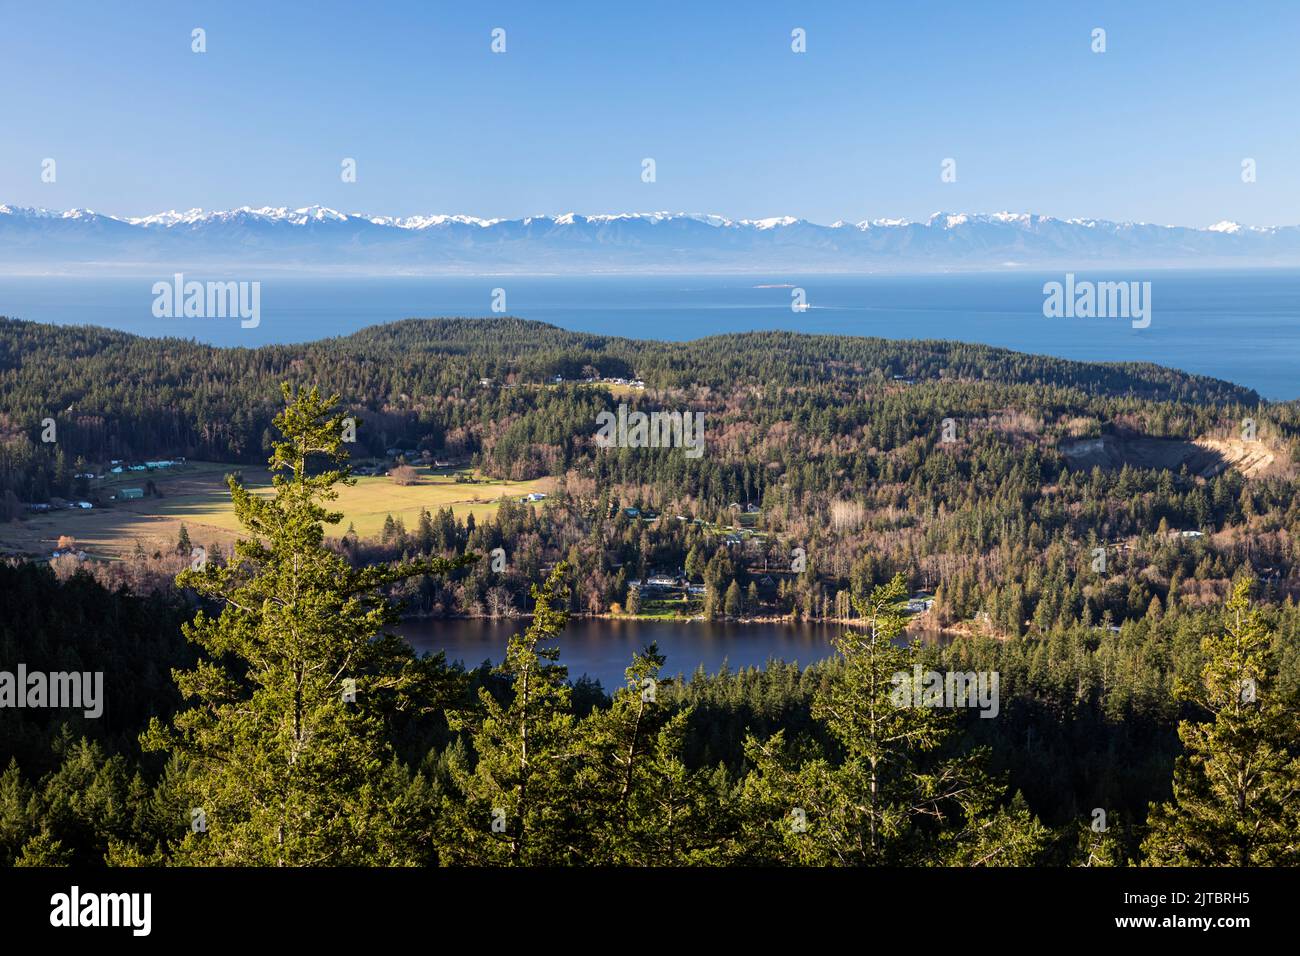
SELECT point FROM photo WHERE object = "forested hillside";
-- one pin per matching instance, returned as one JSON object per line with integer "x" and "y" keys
{"x": 950, "y": 463}
{"x": 304, "y": 733}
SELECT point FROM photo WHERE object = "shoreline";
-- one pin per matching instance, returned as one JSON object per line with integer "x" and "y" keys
{"x": 951, "y": 631}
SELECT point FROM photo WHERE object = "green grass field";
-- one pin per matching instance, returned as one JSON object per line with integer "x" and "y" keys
{"x": 674, "y": 609}
{"x": 196, "y": 495}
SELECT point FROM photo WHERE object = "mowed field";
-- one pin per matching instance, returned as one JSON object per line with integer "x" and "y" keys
{"x": 196, "y": 495}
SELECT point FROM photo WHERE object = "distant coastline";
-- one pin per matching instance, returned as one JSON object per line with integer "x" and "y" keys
{"x": 1201, "y": 318}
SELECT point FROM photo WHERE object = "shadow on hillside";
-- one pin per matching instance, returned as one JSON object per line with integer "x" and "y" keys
{"x": 1171, "y": 454}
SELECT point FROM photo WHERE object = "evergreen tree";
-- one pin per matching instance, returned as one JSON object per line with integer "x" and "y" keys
{"x": 892, "y": 799}
{"x": 1237, "y": 786}
{"x": 283, "y": 754}
{"x": 734, "y": 604}
{"x": 424, "y": 536}
{"x": 694, "y": 564}
{"x": 640, "y": 804}
{"x": 514, "y": 806}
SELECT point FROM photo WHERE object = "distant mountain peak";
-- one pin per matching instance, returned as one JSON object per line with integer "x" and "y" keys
{"x": 319, "y": 238}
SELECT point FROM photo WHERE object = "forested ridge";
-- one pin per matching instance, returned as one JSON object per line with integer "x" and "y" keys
{"x": 838, "y": 444}
{"x": 893, "y": 465}
{"x": 122, "y": 396}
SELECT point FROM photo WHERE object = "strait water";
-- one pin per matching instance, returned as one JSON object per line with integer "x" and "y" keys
{"x": 1240, "y": 326}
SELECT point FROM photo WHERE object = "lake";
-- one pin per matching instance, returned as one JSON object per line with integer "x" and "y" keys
{"x": 603, "y": 647}
{"x": 1240, "y": 326}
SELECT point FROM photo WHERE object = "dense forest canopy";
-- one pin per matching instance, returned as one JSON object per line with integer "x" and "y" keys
{"x": 942, "y": 460}
{"x": 1096, "y": 591}
{"x": 118, "y": 395}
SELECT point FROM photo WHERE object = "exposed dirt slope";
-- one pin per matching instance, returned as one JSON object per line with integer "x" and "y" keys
{"x": 1251, "y": 458}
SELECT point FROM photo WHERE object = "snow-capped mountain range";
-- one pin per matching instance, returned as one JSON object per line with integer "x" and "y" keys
{"x": 317, "y": 239}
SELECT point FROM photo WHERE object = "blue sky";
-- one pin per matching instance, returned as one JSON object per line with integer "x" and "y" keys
{"x": 1155, "y": 129}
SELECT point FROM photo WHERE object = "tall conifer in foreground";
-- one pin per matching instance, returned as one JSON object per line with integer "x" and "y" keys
{"x": 515, "y": 805}
{"x": 282, "y": 758}
{"x": 1237, "y": 786}
{"x": 895, "y": 797}
{"x": 641, "y": 804}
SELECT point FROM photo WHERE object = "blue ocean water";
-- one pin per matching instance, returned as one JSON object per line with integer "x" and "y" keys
{"x": 1241, "y": 326}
